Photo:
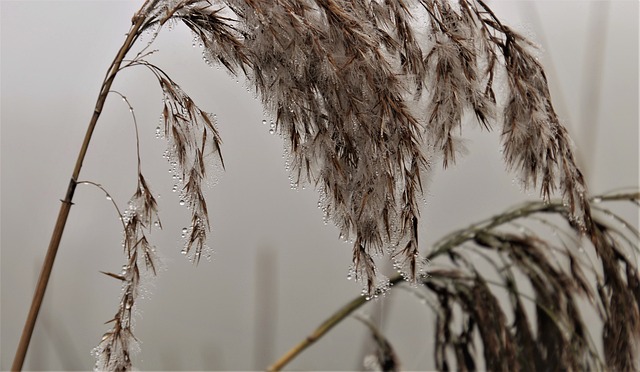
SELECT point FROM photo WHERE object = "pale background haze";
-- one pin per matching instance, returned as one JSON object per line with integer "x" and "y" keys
{"x": 277, "y": 271}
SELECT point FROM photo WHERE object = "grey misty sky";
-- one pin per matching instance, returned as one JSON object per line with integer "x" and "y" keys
{"x": 273, "y": 256}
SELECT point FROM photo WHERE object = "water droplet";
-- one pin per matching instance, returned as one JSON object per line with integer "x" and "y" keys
{"x": 264, "y": 122}
{"x": 349, "y": 276}
{"x": 108, "y": 198}
{"x": 182, "y": 202}
{"x": 184, "y": 230}
{"x": 184, "y": 251}
{"x": 156, "y": 224}
{"x": 272, "y": 131}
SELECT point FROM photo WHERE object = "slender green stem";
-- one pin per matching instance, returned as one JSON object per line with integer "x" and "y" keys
{"x": 322, "y": 329}
{"x": 331, "y": 322}
{"x": 45, "y": 272}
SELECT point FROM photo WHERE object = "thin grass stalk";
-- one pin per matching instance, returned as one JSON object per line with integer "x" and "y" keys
{"x": 47, "y": 266}
{"x": 323, "y": 328}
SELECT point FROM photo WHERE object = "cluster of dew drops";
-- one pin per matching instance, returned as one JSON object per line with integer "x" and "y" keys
{"x": 272, "y": 126}
{"x": 178, "y": 180}
{"x": 198, "y": 43}
{"x": 380, "y": 290}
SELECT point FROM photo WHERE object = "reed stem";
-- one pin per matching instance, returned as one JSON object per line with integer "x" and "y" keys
{"x": 63, "y": 214}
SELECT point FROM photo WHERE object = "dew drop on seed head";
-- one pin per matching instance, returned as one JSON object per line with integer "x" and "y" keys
{"x": 108, "y": 198}
{"x": 272, "y": 131}
{"x": 264, "y": 122}
{"x": 181, "y": 202}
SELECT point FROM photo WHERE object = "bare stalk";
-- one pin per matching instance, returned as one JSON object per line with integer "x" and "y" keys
{"x": 45, "y": 272}
{"x": 323, "y": 328}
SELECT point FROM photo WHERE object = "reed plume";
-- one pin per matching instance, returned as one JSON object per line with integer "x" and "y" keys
{"x": 368, "y": 96}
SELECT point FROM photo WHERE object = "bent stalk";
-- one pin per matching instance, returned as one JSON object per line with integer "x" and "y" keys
{"x": 455, "y": 240}
{"x": 45, "y": 272}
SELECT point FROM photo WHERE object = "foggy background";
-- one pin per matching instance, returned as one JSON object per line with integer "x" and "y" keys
{"x": 277, "y": 270}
